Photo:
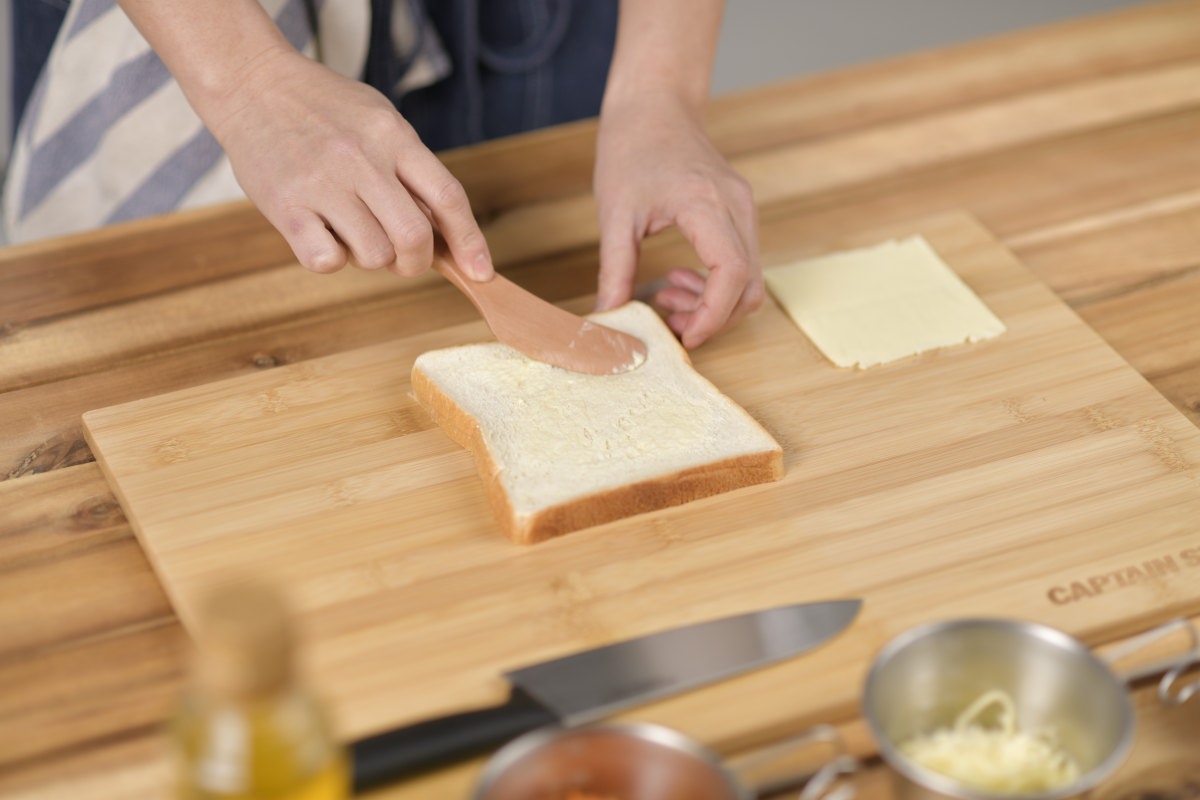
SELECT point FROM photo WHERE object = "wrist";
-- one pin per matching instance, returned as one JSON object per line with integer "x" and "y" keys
{"x": 649, "y": 115}
{"x": 210, "y": 47}
{"x": 665, "y": 50}
{"x": 219, "y": 93}
{"x": 226, "y": 77}
{"x": 650, "y": 101}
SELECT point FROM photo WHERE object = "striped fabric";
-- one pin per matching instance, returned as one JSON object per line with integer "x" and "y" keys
{"x": 108, "y": 135}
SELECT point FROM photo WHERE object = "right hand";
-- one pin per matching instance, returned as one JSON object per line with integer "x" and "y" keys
{"x": 336, "y": 169}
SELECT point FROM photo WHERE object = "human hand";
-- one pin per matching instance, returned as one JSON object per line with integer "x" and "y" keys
{"x": 335, "y": 168}
{"x": 655, "y": 168}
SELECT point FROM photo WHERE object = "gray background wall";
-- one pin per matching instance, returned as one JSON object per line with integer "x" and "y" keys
{"x": 770, "y": 40}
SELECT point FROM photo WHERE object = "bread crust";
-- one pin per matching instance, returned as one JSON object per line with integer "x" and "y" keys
{"x": 608, "y": 505}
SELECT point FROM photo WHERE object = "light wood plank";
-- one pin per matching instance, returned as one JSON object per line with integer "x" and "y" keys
{"x": 1154, "y": 328}
{"x": 1182, "y": 388}
{"x": 42, "y": 430}
{"x": 56, "y": 514}
{"x": 89, "y": 694}
{"x": 56, "y": 588}
{"x": 58, "y": 276}
{"x": 108, "y": 336}
{"x": 134, "y": 766}
{"x": 877, "y": 153}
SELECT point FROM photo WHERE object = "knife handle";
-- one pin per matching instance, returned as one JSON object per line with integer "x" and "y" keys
{"x": 436, "y": 742}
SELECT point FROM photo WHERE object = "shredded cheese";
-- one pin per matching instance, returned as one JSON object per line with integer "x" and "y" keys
{"x": 999, "y": 759}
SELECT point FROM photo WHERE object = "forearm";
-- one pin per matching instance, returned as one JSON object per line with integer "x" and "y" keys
{"x": 665, "y": 46}
{"x": 209, "y": 46}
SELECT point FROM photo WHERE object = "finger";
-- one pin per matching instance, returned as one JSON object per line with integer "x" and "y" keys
{"x": 739, "y": 202}
{"x": 719, "y": 244}
{"x": 360, "y": 230}
{"x": 751, "y": 298}
{"x": 677, "y": 300}
{"x": 678, "y": 322}
{"x": 444, "y": 196}
{"x": 682, "y": 310}
{"x": 315, "y": 246}
{"x": 744, "y": 213}
{"x": 745, "y": 217}
{"x": 688, "y": 279}
{"x": 682, "y": 304}
{"x": 403, "y": 222}
{"x": 619, "y": 248}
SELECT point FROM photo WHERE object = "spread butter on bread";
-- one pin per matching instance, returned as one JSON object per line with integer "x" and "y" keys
{"x": 559, "y": 451}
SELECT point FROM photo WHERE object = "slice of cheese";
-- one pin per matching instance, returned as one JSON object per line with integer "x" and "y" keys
{"x": 880, "y": 304}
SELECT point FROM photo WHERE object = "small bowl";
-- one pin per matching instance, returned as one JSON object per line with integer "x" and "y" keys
{"x": 627, "y": 761}
{"x": 924, "y": 678}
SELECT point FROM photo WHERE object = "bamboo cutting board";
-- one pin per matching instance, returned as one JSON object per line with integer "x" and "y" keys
{"x": 1036, "y": 476}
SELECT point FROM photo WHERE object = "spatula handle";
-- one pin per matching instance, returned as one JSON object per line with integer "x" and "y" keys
{"x": 445, "y": 264}
{"x": 406, "y": 751}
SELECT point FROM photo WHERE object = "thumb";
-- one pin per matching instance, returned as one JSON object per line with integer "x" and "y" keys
{"x": 619, "y": 248}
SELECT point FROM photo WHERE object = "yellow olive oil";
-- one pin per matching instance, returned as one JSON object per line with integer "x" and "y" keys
{"x": 247, "y": 729}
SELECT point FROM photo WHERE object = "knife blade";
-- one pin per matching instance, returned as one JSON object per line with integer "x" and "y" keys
{"x": 592, "y": 684}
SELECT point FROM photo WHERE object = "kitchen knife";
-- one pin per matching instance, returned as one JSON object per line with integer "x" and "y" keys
{"x": 592, "y": 684}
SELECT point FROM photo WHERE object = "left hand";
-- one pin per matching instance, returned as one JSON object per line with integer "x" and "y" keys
{"x": 655, "y": 168}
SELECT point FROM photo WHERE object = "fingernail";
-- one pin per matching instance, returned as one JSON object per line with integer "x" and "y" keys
{"x": 481, "y": 270}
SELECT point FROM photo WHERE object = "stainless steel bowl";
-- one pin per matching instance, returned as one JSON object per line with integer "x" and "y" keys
{"x": 636, "y": 761}
{"x": 926, "y": 676}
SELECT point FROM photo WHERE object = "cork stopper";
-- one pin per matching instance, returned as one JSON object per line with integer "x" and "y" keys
{"x": 245, "y": 641}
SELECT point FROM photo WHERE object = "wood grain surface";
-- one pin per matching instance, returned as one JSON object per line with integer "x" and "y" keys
{"x": 1105, "y": 211}
{"x": 1036, "y": 476}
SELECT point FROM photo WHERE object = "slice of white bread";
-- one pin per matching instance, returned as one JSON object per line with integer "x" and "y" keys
{"x": 559, "y": 451}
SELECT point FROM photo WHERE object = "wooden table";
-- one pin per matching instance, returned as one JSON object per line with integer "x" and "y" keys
{"x": 1077, "y": 145}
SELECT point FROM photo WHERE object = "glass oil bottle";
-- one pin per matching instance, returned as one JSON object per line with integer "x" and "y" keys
{"x": 247, "y": 728}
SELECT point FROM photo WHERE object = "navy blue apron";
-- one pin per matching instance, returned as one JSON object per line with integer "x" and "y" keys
{"x": 517, "y": 64}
